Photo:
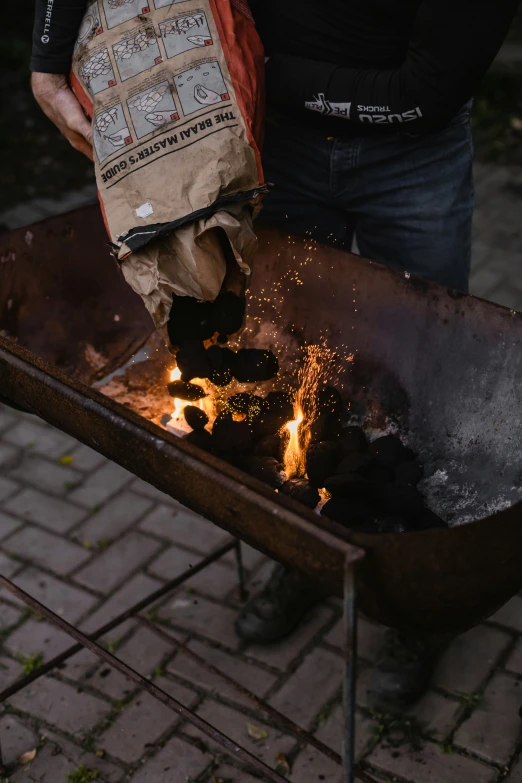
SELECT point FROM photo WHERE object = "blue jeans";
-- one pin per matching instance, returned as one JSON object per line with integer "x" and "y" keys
{"x": 408, "y": 200}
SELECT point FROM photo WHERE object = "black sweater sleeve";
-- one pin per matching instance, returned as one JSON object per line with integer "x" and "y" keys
{"x": 451, "y": 48}
{"x": 56, "y": 25}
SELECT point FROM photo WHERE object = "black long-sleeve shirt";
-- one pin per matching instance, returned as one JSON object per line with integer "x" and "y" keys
{"x": 367, "y": 65}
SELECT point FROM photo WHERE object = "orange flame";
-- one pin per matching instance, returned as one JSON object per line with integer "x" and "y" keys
{"x": 318, "y": 365}
{"x": 179, "y": 405}
{"x": 294, "y": 454}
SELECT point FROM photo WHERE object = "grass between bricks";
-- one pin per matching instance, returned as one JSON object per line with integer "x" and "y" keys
{"x": 82, "y": 775}
{"x": 30, "y": 662}
{"x": 396, "y": 731}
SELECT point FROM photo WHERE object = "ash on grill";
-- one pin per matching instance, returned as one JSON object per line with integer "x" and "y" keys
{"x": 368, "y": 486}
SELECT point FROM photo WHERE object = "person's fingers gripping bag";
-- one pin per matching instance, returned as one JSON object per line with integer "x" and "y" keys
{"x": 175, "y": 91}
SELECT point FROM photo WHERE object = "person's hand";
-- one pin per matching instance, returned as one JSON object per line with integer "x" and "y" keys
{"x": 60, "y": 104}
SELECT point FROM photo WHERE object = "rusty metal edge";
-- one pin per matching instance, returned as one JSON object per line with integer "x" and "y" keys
{"x": 233, "y": 500}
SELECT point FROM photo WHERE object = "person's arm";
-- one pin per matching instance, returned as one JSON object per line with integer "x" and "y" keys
{"x": 452, "y": 46}
{"x": 55, "y": 31}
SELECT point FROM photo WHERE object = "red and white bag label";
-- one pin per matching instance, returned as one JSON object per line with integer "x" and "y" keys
{"x": 175, "y": 92}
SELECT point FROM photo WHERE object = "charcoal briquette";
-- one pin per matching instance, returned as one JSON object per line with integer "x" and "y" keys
{"x": 200, "y": 438}
{"x": 265, "y": 469}
{"x": 189, "y": 320}
{"x": 186, "y": 391}
{"x": 326, "y": 426}
{"x": 273, "y": 445}
{"x": 241, "y": 403}
{"x": 252, "y": 365}
{"x": 193, "y": 361}
{"x": 409, "y": 472}
{"x": 249, "y": 404}
{"x": 388, "y": 451}
{"x": 280, "y": 402}
{"x": 349, "y": 485}
{"x": 221, "y": 362}
{"x": 276, "y": 412}
{"x": 321, "y": 461}
{"x": 377, "y": 474}
{"x": 227, "y": 313}
{"x": 220, "y": 357}
{"x": 403, "y": 500}
{"x": 230, "y": 435}
{"x": 351, "y": 463}
{"x": 330, "y": 400}
{"x": 300, "y": 490}
{"x": 350, "y": 513}
{"x": 353, "y": 439}
{"x": 195, "y": 417}
{"x": 221, "y": 378}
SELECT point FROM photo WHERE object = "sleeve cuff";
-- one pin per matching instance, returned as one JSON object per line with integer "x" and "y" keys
{"x": 46, "y": 65}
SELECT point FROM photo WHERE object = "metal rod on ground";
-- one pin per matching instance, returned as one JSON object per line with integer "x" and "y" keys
{"x": 363, "y": 776}
{"x": 350, "y": 652}
{"x": 284, "y": 723}
{"x": 243, "y": 593}
{"x": 233, "y": 748}
{"x": 138, "y": 607}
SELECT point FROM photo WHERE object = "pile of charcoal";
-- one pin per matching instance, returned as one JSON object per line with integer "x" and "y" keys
{"x": 191, "y": 323}
{"x": 372, "y": 485}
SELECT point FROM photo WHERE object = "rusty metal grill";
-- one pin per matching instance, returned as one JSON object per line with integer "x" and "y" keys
{"x": 427, "y": 357}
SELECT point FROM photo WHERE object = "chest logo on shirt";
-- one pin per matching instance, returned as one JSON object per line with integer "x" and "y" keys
{"x": 323, "y": 106}
{"x": 383, "y": 115}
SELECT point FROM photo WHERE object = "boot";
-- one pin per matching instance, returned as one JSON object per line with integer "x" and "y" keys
{"x": 273, "y": 613}
{"x": 403, "y": 670}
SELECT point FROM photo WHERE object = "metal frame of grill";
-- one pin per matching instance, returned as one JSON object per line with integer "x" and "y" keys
{"x": 241, "y": 505}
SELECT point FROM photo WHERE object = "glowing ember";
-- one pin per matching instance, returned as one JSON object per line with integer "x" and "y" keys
{"x": 205, "y": 404}
{"x": 179, "y": 405}
{"x": 294, "y": 454}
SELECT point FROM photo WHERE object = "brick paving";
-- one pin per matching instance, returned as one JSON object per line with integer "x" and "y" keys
{"x": 89, "y": 539}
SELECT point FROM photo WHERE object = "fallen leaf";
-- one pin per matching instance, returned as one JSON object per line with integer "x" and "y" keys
{"x": 66, "y": 460}
{"x": 25, "y": 758}
{"x": 282, "y": 765}
{"x": 256, "y": 732}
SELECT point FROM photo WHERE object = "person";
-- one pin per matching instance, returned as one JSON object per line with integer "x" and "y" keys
{"x": 368, "y": 136}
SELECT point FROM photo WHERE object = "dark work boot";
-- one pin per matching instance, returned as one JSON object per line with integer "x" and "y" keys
{"x": 273, "y": 613}
{"x": 403, "y": 670}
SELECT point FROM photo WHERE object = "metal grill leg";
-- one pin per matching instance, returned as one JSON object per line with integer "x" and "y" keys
{"x": 350, "y": 645}
{"x": 243, "y": 592}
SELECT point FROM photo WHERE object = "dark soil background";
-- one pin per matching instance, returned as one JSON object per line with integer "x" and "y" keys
{"x": 36, "y": 161}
